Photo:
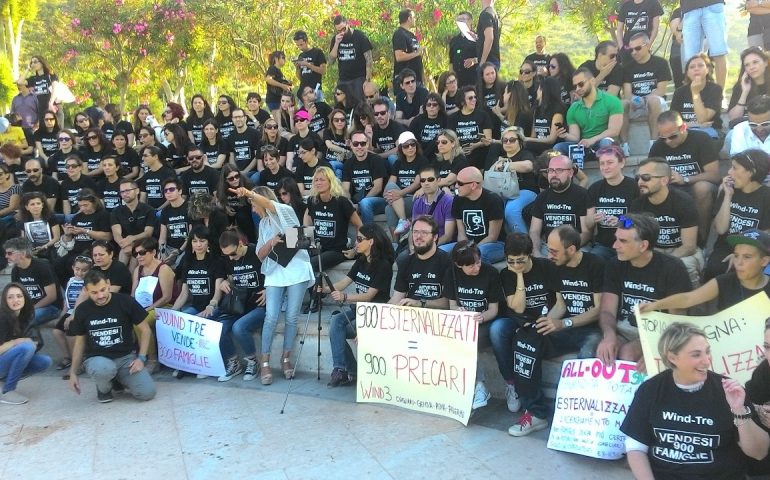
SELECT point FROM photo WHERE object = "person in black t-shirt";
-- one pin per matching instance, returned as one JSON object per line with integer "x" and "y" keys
{"x": 488, "y": 35}
{"x": 310, "y": 63}
{"x": 131, "y": 222}
{"x": 277, "y": 84}
{"x": 72, "y": 183}
{"x": 256, "y": 116}
{"x": 150, "y": 183}
{"x": 201, "y": 274}
{"x": 699, "y": 100}
{"x": 38, "y": 279}
{"x": 243, "y": 143}
{"x": 404, "y": 181}
{"x": 103, "y": 254}
{"x": 407, "y": 51}
{"x": 318, "y": 110}
{"x": 109, "y": 186}
{"x": 427, "y": 125}
{"x": 37, "y": 181}
{"x": 472, "y": 126}
{"x": 371, "y": 275}
{"x": 385, "y": 132}
{"x": 91, "y": 223}
{"x": 302, "y": 124}
{"x": 608, "y": 74}
{"x": 462, "y": 54}
{"x": 174, "y": 224}
{"x": 637, "y": 16}
{"x": 273, "y": 172}
{"x": 363, "y": 177}
{"x": 307, "y": 165}
{"x": 410, "y": 100}
{"x": 103, "y": 327}
{"x": 353, "y": 50}
{"x": 539, "y": 58}
{"x": 200, "y": 178}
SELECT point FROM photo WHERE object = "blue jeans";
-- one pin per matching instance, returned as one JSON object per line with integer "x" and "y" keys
{"x": 706, "y": 22}
{"x": 501, "y": 332}
{"x": 21, "y": 361}
{"x": 243, "y": 329}
{"x": 274, "y": 296}
{"x": 368, "y": 207}
{"x": 45, "y": 314}
{"x": 103, "y": 370}
{"x": 337, "y": 167}
{"x": 513, "y": 208}
{"x": 255, "y": 177}
{"x": 8, "y": 220}
{"x": 491, "y": 252}
{"x": 342, "y": 327}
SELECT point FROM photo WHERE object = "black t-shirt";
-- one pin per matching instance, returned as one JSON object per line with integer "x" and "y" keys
{"x": 293, "y": 145}
{"x": 559, "y": 208}
{"x": 195, "y": 126}
{"x": 444, "y": 167}
{"x": 304, "y": 173}
{"x": 664, "y": 275}
{"x": 542, "y": 121}
{"x": 367, "y": 275}
{"x": 307, "y": 77}
{"x": 35, "y": 278}
{"x": 711, "y": 96}
{"x": 539, "y": 60}
{"x": 92, "y": 159}
{"x": 577, "y": 285}
{"x": 385, "y": 138}
{"x": 406, "y": 172}
{"x": 488, "y": 18}
{"x": 732, "y": 292}
{"x": 411, "y": 109}
{"x": 226, "y": 125}
{"x": 452, "y": 101}
{"x": 689, "y": 158}
{"x": 426, "y": 130}
{"x": 119, "y": 276}
{"x": 362, "y": 173}
{"x": 109, "y": 192}
{"x": 176, "y": 221}
{"x": 405, "y": 41}
{"x": 675, "y": 213}
{"x": 540, "y": 287}
{"x": 271, "y": 180}
{"x": 638, "y": 17}
{"x": 247, "y": 271}
{"x": 48, "y": 187}
{"x": 688, "y": 5}
{"x": 200, "y": 276}
{"x": 151, "y": 184}
{"x": 474, "y": 293}
{"x": 331, "y": 220}
{"x": 644, "y": 77}
{"x": 134, "y": 223}
{"x": 214, "y": 151}
{"x": 350, "y": 54}
{"x": 528, "y": 180}
{"x": 469, "y": 129}
{"x": 337, "y": 141}
{"x": 128, "y": 160}
{"x": 69, "y": 189}
{"x": 40, "y": 85}
{"x": 690, "y": 434}
{"x": 477, "y": 215}
{"x": 320, "y": 120}
{"x": 244, "y": 145}
{"x": 461, "y": 49}
{"x": 205, "y": 181}
{"x": 48, "y": 140}
{"x": 615, "y": 77}
{"x": 612, "y": 201}
{"x": 98, "y": 221}
{"x": 746, "y": 211}
{"x": 57, "y": 160}
{"x": 423, "y": 279}
{"x": 109, "y": 329}
{"x": 273, "y": 94}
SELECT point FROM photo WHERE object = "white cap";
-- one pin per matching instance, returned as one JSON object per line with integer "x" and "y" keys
{"x": 405, "y": 137}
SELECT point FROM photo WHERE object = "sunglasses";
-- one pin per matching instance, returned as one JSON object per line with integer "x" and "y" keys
{"x": 64, "y": 139}
{"x": 83, "y": 259}
{"x": 170, "y": 190}
{"x": 442, "y": 142}
{"x": 471, "y": 98}
{"x": 360, "y": 239}
{"x": 516, "y": 261}
{"x": 48, "y": 119}
{"x": 636, "y": 49}
{"x": 409, "y": 82}
{"x": 462, "y": 184}
{"x": 338, "y": 119}
{"x": 553, "y": 67}
{"x": 646, "y": 177}
{"x": 71, "y": 165}
{"x": 580, "y": 84}
{"x": 195, "y": 157}
{"x": 369, "y": 96}
{"x": 759, "y": 125}
{"x": 525, "y": 72}
{"x": 300, "y": 119}
{"x": 232, "y": 177}
{"x": 91, "y": 137}
{"x": 556, "y": 170}
{"x": 509, "y": 140}
{"x": 144, "y": 135}
{"x": 670, "y": 137}
{"x": 139, "y": 253}
{"x": 283, "y": 194}
{"x": 431, "y": 104}
{"x": 409, "y": 145}
{"x": 358, "y": 144}
{"x": 427, "y": 179}
{"x": 271, "y": 127}
{"x": 625, "y": 222}
{"x": 380, "y": 113}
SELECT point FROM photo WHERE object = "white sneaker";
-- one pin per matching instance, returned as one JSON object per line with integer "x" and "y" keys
{"x": 403, "y": 226}
{"x": 13, "y": 398}
{"x": 512, "y": 399}
{"x": 651, "y": 143}
{"x": 527, "y": 424}
{"x": 201, "y": 376}
{"x": 480, "y": 396}
{"x": 626, "y": 149}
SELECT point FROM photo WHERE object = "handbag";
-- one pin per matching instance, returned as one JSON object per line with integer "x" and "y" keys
{"x": 504, "y": 183}
{"x": 234, "y": 303}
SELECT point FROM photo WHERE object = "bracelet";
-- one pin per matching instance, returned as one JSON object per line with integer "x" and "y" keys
{"x": 345, "y": 298}
{"x": 143, "y": 358}
{"x": 738, "y": 423}
{"x": 745, "y": 414}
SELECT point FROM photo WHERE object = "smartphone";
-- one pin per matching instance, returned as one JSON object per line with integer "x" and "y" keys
{"x": 577, "y": 153}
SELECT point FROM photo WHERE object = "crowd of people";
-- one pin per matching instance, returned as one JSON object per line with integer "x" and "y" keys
{"x": 191, "y": 213}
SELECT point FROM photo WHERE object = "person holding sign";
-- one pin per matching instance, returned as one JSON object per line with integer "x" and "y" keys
{"x": 39, "y": 224}
{"x": 372, "y": 273}
{"x": 689, "y": 422}
{"x": 473, "y": 286}
{"x": 751, "y": 254}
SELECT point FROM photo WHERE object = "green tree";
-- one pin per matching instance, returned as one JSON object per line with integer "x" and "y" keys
{"x": 13, "y": 15}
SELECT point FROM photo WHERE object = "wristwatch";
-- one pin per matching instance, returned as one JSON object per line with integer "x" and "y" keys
{"x": 567, "y": 323}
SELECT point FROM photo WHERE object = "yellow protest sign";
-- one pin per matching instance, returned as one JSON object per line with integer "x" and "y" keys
{"x": 417, "y": 358}
{"x": 735, "y": 335}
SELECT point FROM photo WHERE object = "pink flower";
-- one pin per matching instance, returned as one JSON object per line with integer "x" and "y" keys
{"x": 71, "y": 83}
{"x": 321, "y": 33}
{"x": 418, "y": 35}
{"x": 75, "y": 22}
{"x": 118, "y": 3}
{"x": 612, "y": 18}
{"x": 183, "y": 54}
{"x": 385, "y": 16}
{"x": 117, "y": 28}
{"x": 143, "y": 52}
{"x": 419, "y": 7}
{"x": 140, "y": 28}
{"x": 437, "y": 15}
{"x": 169, "y": 37}
{"x": 354, "y": 23}
{"x": 106, "y": 45}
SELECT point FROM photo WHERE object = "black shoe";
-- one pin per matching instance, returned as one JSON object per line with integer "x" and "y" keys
{"x": 104, "y": 397}
{"x": 339, "y": 377}
{"x": 117, "y": 387}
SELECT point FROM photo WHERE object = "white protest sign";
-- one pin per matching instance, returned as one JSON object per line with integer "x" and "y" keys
{"x": 417, "y": 358}
{"x": 591, "y": 402}
{"x": 188, "y": 343}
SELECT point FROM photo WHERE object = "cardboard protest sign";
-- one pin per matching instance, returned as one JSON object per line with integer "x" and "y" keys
{"x": 417, "y": 358}
{"x": 735, "y": 335}
{"x": 188, "y": 343}
{"x": 591, "y": 402}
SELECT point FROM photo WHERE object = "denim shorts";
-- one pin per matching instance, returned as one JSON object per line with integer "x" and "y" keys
{"x": 708, "y": 22}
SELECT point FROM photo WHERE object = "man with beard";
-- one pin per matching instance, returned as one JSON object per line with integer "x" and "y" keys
{"x": 37, "y": 181}
{"x": 675, "y": 212}
{"x": 201, "y": 178}
{"x": 385, "y": 132}
{"x": 243, "y": 143}
{"x": 593, "y": 121}
{"x": 131, "y": 222}
{"x": 103, "y": 327}
{"x": 754, "y": 133}
{"x": 421, "y": 274}
{"x": 353, "y": 50}
{"x": 564, "y": 202}
{"x": 362, "y": 178}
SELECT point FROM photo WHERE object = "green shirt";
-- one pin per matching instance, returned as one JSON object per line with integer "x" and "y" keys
{"x": 593, "y": 121}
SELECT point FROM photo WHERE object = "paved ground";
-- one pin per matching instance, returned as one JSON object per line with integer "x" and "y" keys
{"x": 201, "y": 429}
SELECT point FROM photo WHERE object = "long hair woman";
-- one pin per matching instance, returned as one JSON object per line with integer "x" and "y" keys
{"x": 753, "y": 80}
{"x": 41, "y": 82}
{"x": 561, "y": 68}
{"x": 699, "y": 99}
{"x": 46, "y": 135}
{"x": 178, "y": 143}
{"x": 200, "y": 111}
{"x": 225, "y": 107}
{"x": 450, "y": 159}
{"x": 517, "y": 111}
{"x": 548, "y": 117}
{"x": 237, "y": 209}
{"x": 39, "y": 224}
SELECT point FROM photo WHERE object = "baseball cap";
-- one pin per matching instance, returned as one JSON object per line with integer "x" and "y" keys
{"x": 405, "y": 137}
{"x": 302, "y": 114}
{"x": 754, "y": 237}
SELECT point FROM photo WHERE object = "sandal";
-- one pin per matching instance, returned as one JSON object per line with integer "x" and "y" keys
{"x": 288, "y": 371}
{"x": 265, "y": 375}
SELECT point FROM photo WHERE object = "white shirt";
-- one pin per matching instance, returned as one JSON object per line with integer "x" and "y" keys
{"x": 743, "y": 139}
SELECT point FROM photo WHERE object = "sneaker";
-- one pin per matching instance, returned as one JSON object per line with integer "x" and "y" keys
{"x": 480, "y": 396}
{"x": 527, "y": 424}
{"x": 403, "y": 226}
{"x": 339, "y": 378}
{"x": 176, "y": 374}
{"x": 251, "y": 369}
{"x": 626, "y": 149}
{"x": 234, "y": 368}
{"x": 104, "y": 397}
{"x": 512, "y": 399}
{"x": 117, "y": 387}
{"x": 13, "y": 398}
{"x": 201, "y": 376}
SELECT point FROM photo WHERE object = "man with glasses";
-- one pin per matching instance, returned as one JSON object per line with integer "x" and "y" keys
{"x": 645, "y": 78}
{"x": 151, "y": 183}
{"x": 693, "y": 159}
{"x": 37, "y": 181}
{"x": 594, "y": 120}
{"x": 411, "y": 98}
{"x": 201, "y": 178}
{"x": 539, "y": 58}
{"x": 25, "y": 105}
{"x": 363, "y": 177}
{"x": 317, "y": 109}
{"x": 639, "y": 274}
{"x": 385, "y": 132}
{"x": 243, "y": 144}
{"x": 637, "y": 16}
{"x": 353, "y": 50}
{"x": 131, "y": 222}
{"x": 755, "y": 132}
{"x": 420, "y": 276}
{"x": 307, "y": 166}
{"x": 302, "y": 124}
{"x": 675, "y": 213}
{"x": 478, "y": 215}
{"x": 436, "y": 203}
{"x": 407, "y": 51}
{"x": 564, "y": 202}
{"x": 310, "y": 64}
{"x": 38, "y": 279}
{"x": 605, "y": 67}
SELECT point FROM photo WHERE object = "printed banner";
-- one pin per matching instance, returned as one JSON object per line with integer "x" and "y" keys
{"x": 188, "y": 343}
{"x": 417, "y": 358}
{"x": 591, "y": 402}
{"x": 736, "y": 336}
